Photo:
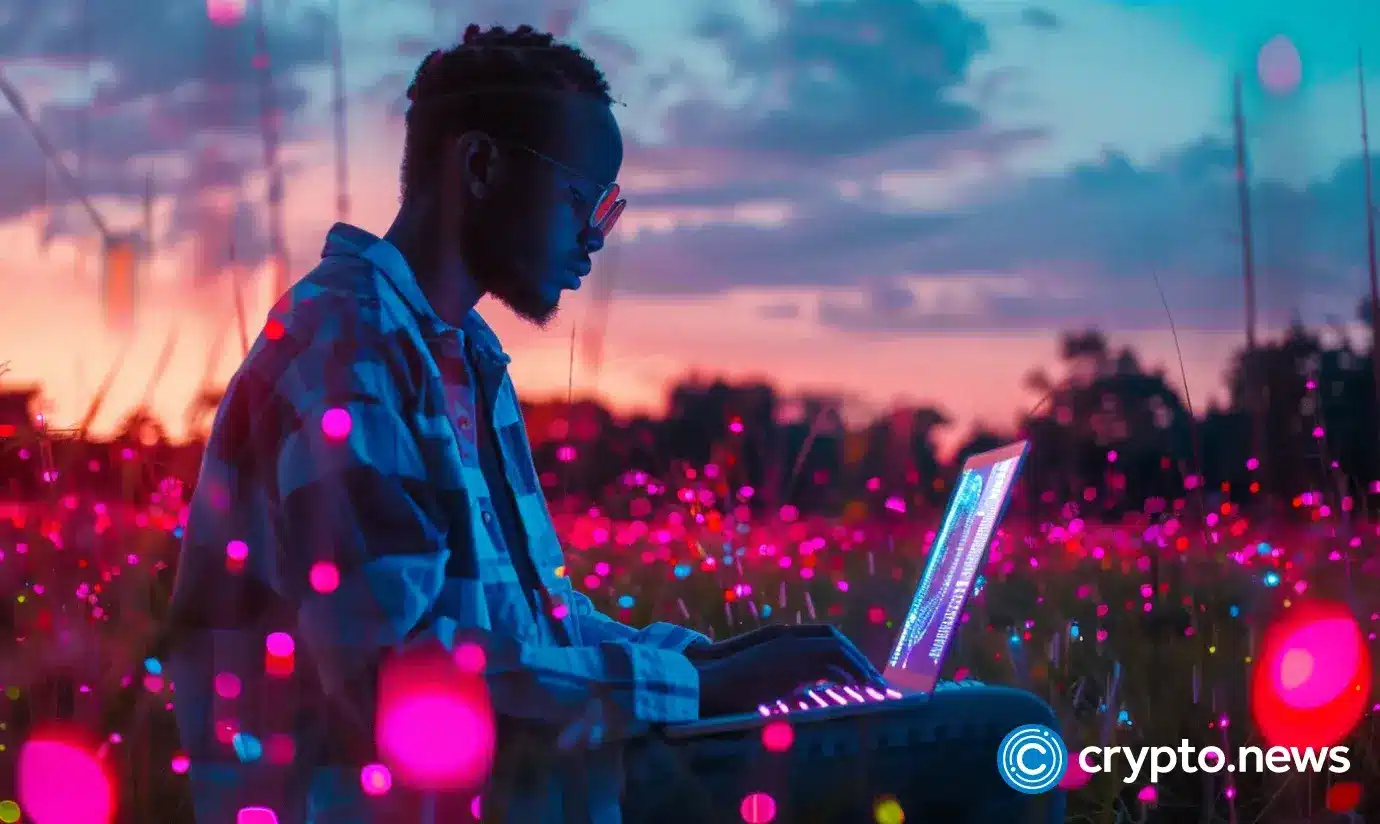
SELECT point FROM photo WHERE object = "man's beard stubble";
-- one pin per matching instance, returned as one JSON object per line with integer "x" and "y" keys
{"x": 492, "y": 250}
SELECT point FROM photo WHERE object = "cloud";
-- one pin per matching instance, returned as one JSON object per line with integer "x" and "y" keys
{"x": 1095, "y": 240}
{"x": 1038, "y": 18}
{"x": 164, "y": 80}
{"x": 837, "y": 78}
{"x": 148, "y": 47}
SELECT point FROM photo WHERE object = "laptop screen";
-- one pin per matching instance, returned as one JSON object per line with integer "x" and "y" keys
{"x": 955, "y": 560}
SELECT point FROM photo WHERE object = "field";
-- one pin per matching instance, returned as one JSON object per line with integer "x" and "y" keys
{"x": 1178, "y": 610}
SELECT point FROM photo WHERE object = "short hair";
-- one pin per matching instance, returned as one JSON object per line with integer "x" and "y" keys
{"x": 523, "y": 58}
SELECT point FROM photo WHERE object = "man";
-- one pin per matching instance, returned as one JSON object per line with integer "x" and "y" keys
{"x": 368, "y": 485}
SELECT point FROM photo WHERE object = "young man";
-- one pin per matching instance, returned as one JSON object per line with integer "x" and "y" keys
{"x": 368, "y": 485}
{"x": 373, "y": 432}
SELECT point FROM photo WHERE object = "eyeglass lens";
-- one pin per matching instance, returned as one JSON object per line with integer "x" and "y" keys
{"x": 607, "y": 210}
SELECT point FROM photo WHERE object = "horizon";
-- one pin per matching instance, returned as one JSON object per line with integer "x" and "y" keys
{"x": 933, "y": 255}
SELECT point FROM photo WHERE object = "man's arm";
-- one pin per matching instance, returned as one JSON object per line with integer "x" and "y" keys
{"x": 596, "y": 627}
{"x": 354, "y": 492}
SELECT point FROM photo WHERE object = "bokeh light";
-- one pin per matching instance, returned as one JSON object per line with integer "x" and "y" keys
{"x": 324, "y": 577}
{"x": 1279, "y": 65}
{"x": 63, "y": 783}
{"x": 375, "y": 779}
{"x": 758, "y": 808}
{"x": 1312, "y": 680}
{"x": 256, "y": 815}
{"x": 336, "y": 424}
{"x": 887, "y": 810}
{"x": 225, "y": 12}
{"x": 1075, "y": 777}
{"x": 777, "y": 736}
{"x": 435, "y": 722}
{"x": 1344, "y": 796}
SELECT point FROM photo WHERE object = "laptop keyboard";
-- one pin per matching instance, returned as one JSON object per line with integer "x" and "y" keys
{"x": 824, "y": 694}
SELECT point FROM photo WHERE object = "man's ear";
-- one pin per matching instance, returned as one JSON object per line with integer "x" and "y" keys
{"x": 474, "y": 160}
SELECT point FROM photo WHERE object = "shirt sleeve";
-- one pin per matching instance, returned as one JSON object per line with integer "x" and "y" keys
{"x": 355, "y": 495}
{"x": 596, "y": 627}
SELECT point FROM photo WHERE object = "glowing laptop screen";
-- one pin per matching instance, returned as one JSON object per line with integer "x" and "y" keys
{"x": 955, "y": 560}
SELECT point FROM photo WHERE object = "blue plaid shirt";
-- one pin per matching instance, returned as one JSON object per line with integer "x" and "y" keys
{"x": 401, "y": 507}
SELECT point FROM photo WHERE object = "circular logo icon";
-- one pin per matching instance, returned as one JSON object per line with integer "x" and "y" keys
{"x": 1031, "y": 759}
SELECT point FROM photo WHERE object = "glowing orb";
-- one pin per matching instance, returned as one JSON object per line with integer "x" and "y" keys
{"x": 777, "y": 736}
{"x": 888, "y": 810}
{"x": 336, "y": 424}
{"x": 1344, "y": 796}
{"x": 375, "y": 779}
{"x": 279, "y": 644}
{"x": 758, "y": 808}
{"x": 227, "y": 685}
{"x": 470, "y": 658}
{"x": 1279, "y": 65}
{"x": 1075, "y": 777}
{"x": 61, "y": 783}
{"x": 324, "y": 577}
{"x": 256, "y": 815}
{"x": 435, "y": 723}
{"x": 225, "y": 12}
{"x": 1311, "y": 682}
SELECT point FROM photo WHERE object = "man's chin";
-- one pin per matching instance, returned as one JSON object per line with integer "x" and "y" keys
{"x": 534, "y": 309}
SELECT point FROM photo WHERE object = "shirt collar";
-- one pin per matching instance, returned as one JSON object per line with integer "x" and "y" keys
{"x": 351, "y": 240}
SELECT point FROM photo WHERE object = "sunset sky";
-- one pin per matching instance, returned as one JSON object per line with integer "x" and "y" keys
{"x": 897, "y": 200}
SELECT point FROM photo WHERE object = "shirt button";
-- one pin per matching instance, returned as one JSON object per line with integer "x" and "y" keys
{"x": 487, "y": 516}
{"x": 464, "y": 423}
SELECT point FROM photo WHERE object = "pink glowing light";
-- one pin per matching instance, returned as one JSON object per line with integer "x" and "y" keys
{"x": 778, "y": 736}
{"x": 1279, "y": 65}
{"x": 375, "y": 779}
{"x": 237, "y": 550}
{"x": 336, "y": 424}
{"x": 324, "y": 577}
{"x": 435, "y": 723}
{"x": 280, "y": 644}
{"x": 1318, "y": 663}
{"x": 225, "y": 13}
{"x": 61, "y": 783}
{"x": 1311, "y": 683}
{"x": 227, "y": 685}
{"x": 758, "y": 808}
{"x": 1075, "y": 777}
{"x": 256, "y": 815}
{"x": 470, "y": 658}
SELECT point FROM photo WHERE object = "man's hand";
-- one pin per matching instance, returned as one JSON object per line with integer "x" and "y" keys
{"x": 759, "y": 666}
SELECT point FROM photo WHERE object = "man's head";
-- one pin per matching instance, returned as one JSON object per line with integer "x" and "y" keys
{"x": 510, "y": 144}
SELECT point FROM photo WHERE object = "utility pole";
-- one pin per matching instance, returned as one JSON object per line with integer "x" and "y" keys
{"x": 1253, "y": 378}
{"x": 342, "y": 162}
{"x": 269, "y": 119}
{"x": 1370, "y": 235}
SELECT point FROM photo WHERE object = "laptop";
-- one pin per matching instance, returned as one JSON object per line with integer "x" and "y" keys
{"x": 979, "y": 499}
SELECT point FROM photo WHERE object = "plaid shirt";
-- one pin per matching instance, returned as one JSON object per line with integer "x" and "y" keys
{"x": 348, "y": 436}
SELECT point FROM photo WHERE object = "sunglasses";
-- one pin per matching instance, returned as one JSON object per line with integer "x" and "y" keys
{"x": 607, "y": 207}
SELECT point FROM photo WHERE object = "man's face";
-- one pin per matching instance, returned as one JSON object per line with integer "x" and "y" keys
{"x": 528, "y": 238}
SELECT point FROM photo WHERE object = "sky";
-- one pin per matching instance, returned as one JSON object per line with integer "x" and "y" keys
{"x": 891, "y": 200}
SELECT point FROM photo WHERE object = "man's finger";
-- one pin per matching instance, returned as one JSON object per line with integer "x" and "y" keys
{"x": 867, "y": 670}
